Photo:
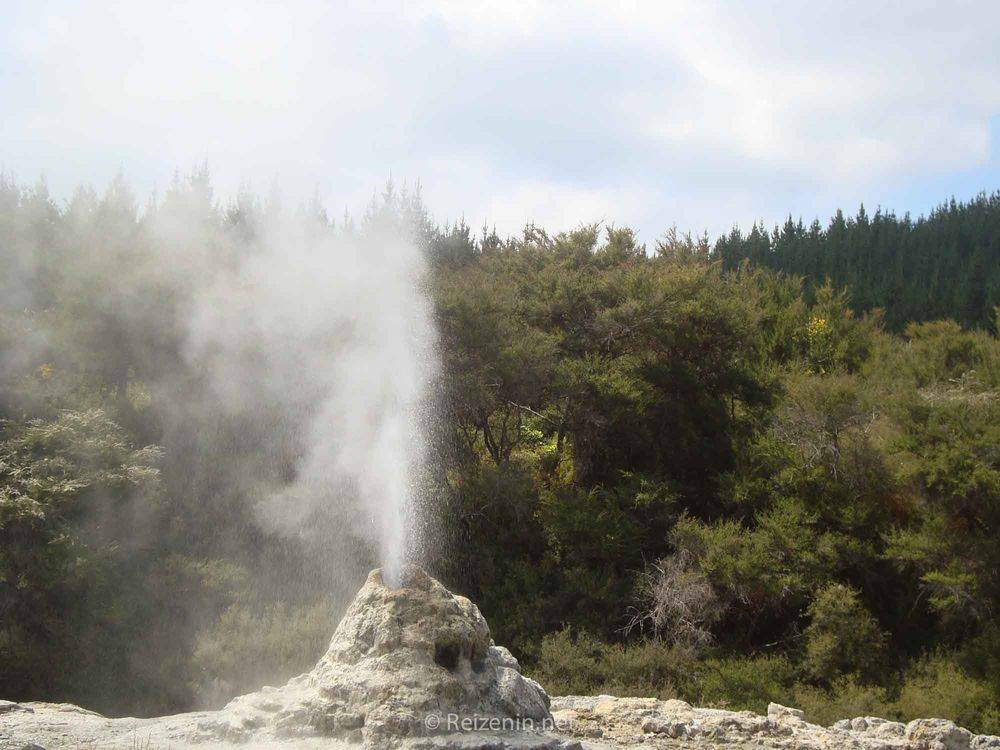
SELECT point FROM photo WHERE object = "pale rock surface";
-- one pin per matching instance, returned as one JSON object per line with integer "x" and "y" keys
{"x": 939, "y": 734}
{"x": 777, "y": 712}
{"x": 606, "y": 722}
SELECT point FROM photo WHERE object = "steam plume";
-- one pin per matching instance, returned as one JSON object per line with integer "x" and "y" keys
{"x": 334, "y": 330}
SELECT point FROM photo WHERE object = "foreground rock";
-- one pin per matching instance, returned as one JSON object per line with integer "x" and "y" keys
{"x": 415, "y": 667}
{"x": 591, "y": 723}
{"x": 605, "y": 721}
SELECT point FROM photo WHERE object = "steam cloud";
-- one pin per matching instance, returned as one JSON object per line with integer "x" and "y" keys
{"x": 307, "y": 355}
{"x": 334, "y": 331}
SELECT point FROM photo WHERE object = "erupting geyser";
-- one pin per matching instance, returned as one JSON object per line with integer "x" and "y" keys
{"x": 334, "y": 332}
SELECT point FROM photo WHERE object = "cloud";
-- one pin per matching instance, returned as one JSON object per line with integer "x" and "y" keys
{"x": 688, "y": 112}
{"x": 548, "y": 204}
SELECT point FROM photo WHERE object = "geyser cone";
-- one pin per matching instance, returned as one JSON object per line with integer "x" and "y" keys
{"x": 401, "y": 655}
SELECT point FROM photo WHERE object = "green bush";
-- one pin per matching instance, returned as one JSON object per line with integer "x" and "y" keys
{"x": 934, "y": 687}
{"x": 647, "y": 669}
{"x": 844, "y": 699}
{"x": 569, "y": 665}
{"x": 742, "y": 683}
{"x": 247, "y": 647}
{"x": 842, "y": 636}
{"x": 579, "y": 664}
{"x": 938, "y": 687}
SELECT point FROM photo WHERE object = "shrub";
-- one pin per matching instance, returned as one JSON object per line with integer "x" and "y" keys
{"x": 935, "y": 687}
{"x": 646, "y": 669}
{"x": 938, "y": 687}
{"x": 569, "y": 665}
{"x": 677, "y": 602}
{"x": 580, "y": 664}
{"x": 742, "y": 683}
{"x": 844, "y": 699}
{"x": 247, "y": 647}
{"x": 842, "y": 637}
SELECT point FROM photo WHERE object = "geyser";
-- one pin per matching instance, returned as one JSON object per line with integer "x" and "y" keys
{"x": 403, "y": 660}
{"x": 409, "y": 666}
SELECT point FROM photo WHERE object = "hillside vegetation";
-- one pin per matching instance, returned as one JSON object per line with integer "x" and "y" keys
{"x": 657, "y": 470}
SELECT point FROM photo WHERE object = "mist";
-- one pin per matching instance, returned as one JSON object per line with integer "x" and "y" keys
{"x": 279, "y": 366}
{"x": 335, "y": 329}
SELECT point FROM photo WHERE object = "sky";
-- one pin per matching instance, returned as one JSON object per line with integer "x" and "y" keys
{"x": 645, "y": 114}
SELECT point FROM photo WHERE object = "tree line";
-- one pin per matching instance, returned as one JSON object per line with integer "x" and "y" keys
{"x": 943, "y": 265}
{"x": 657, "y": 469}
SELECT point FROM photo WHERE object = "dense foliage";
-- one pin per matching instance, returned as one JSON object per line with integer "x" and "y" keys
{"x": 656, "y": 471}
{"x": 945, "y": 265}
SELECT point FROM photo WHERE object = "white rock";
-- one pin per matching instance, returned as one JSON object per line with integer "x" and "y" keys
{"x": 9, "y": 706}
{"x": 779, "y": 713}
{"x": 889, "y": 729}
{"x": 939, "y": 734}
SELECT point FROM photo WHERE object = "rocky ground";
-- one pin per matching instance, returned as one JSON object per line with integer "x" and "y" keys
{"x": 605, "y": 721}
{"x": 585, "y": 722}
{"x": 414, "y": 667}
